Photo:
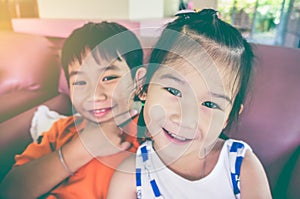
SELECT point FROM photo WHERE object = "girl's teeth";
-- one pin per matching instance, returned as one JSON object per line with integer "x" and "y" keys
{"x": 178, "y": 137}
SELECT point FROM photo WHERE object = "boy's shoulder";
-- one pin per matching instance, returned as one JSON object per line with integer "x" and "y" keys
{"x": 70, "y": 123}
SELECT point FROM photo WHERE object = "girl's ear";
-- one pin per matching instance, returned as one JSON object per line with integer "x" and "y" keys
{"x": 139, "y": 82}
{"x": 241, "y": 109}
{"x": 142, "y": 96}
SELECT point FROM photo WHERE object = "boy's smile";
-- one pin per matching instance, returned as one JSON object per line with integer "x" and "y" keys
{"x": 98, "y": 113}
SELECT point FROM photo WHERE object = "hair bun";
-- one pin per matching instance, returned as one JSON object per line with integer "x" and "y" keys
{"x": 192, "y": 17}
{"x": 208, "y": 14}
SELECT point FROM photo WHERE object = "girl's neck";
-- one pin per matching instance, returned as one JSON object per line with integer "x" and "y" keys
{"x": 191, "y": 167}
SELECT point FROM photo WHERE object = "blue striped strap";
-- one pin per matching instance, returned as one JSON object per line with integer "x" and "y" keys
{"x": 155, "y": 188}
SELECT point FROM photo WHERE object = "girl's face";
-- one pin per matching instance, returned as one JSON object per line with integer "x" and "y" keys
{"x": 186, "y": 108}
{"x": 101, "y": 92}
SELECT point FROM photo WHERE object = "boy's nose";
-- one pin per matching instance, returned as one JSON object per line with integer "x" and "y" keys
{"x": 100, "y": 93}
{"x": 100, "y": 96}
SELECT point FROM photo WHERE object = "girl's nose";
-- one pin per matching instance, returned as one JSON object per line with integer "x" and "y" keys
{"x": 186, "y": 114}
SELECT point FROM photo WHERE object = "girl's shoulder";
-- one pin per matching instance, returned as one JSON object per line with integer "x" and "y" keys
{"x": 236, "y": 151}
{"x": 237, "y": 146}
{"x": 246, "y": 169}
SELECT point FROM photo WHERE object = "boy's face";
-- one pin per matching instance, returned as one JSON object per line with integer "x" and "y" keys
{"x": 100, "y": 92}
{"x": 186, "y": 109}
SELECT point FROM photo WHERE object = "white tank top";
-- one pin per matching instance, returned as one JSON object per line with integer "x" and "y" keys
{"x": 155, "y": 180}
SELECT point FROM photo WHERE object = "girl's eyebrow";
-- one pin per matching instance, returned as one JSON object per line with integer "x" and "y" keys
{"x": 217, "y": 95}
{"x": 170, "y": 76}
{"x": 221, "y": 96}
{"x": 74, "y": 72}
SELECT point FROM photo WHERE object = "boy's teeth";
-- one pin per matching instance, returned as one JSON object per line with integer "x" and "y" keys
{"x": 99, "y": 110}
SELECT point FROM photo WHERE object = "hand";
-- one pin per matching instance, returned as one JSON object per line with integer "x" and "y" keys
{"x": 103, "y": 140}
{"x": 124, "y": 118}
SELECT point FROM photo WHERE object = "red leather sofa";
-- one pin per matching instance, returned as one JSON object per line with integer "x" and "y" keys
{"x": 30, "y": 75}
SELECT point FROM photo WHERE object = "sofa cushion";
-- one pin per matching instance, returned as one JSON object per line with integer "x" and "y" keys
{"x": 27, "y": 62}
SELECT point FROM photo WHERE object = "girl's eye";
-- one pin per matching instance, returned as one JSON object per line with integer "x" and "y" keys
{"x": 174, "y": 91}
{"x": 108, "y": 78}
{"x": 210, "y": 105}
{"x": 79, "y": 83}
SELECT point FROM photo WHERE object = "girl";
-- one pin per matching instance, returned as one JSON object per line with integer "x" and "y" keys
{"x": 195, "y": 85}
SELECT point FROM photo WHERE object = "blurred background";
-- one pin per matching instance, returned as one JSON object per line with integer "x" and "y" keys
{"x": 272, "y": 22}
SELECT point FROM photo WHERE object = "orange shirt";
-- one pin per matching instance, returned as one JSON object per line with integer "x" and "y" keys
{"x": 90, "y": 181}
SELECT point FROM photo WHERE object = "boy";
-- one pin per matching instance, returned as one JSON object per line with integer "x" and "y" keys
{"x": 72, "y": 159}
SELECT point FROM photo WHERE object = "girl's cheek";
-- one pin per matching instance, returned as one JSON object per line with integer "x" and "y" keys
{"x": 155, "y": 114}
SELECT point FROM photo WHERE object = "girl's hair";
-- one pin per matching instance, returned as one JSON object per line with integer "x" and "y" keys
{"x": 202, "y": 36}
{"x": 106, "y": 40}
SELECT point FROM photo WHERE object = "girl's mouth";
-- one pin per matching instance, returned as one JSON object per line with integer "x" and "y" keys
{"x": 175, "y": 138}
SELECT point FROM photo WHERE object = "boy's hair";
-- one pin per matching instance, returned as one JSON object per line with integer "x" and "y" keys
{"x": 203, "y": 36}
{"x": 107, "y": 40}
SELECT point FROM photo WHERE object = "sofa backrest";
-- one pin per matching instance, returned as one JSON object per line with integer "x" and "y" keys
{"x": 29, "y": 72}
{"x": 270, "y": 122}
{"x": 27, "y": 62}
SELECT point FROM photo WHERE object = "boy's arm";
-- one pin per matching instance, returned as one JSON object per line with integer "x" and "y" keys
{"x": 122, "y": 184}
{"x": 253, "y": 179}
{"x": 39, "y": 176}
{"x": 45, "y": 171}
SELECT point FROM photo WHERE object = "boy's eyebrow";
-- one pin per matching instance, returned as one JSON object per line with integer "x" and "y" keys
{"x": 169, "y": 76}
{"x": 111, "y": 67}
{"x": 221, "y": 96}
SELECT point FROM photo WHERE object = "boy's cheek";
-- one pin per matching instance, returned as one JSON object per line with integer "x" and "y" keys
{"x": 75, "y": 98}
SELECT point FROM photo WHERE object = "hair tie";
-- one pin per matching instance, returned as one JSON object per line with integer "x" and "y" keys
{"x": 185, "y": 14}
{"x": 197, "y": 14}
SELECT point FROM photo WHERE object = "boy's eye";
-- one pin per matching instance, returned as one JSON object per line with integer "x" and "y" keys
{"x": 210, "y": 105}
{"x": 174, "y": 91}
{"x": 108, "y": 78}
{"x": 79, "y": 83}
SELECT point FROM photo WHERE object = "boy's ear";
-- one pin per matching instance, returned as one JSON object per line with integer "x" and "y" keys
{"x": 139, "y": 77}
{"x": 139, "y": 82}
